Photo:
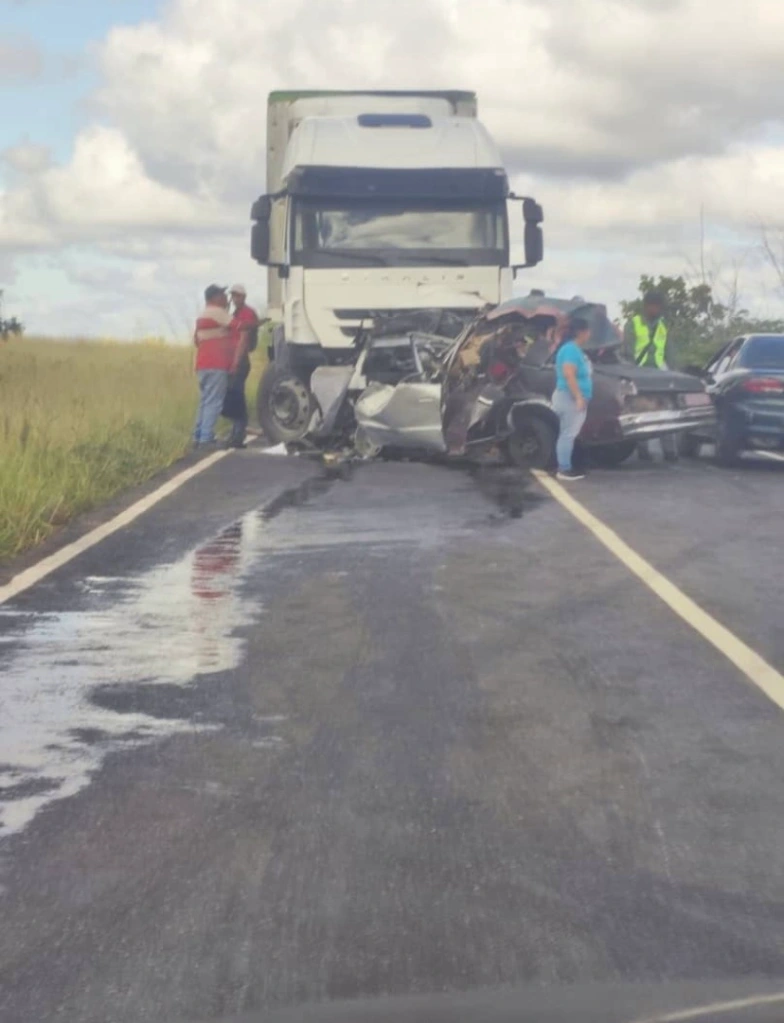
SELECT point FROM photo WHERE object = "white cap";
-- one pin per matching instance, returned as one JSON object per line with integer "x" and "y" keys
{"x": 238, "y": 289}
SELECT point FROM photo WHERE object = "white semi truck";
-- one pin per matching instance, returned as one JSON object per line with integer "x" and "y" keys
{"x": 377, "y": 203}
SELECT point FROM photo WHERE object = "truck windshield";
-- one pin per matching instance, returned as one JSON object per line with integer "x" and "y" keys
{"x": 329, "y": 233}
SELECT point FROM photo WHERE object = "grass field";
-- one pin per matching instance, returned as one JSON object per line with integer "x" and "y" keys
{"x": 81, "y": 421}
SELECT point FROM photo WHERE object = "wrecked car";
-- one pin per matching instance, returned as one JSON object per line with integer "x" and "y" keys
{"x": 430, "y": 394}
{"x": 630, "y": 403}
{"x": 484, "y": 391}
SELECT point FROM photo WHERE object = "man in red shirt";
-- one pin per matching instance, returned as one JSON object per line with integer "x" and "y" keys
{"x": 215, "y": 360}
{"x": 245, "y": 325}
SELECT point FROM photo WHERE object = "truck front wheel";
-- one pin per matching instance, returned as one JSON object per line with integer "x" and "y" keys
{"x": 284, "y": 405}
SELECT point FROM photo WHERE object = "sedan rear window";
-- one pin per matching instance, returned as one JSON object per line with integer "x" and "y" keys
{"x": 763, "y": 353}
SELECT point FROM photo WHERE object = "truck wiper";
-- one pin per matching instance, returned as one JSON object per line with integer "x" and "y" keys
{"x": 358, "y": 254}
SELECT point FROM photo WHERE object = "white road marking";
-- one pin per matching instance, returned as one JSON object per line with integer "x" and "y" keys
{"x": 682, "y": 1015}
{"x": 748, "y": 661}
{"x": 774, "y": 456}
{"x": 46, "y": 566}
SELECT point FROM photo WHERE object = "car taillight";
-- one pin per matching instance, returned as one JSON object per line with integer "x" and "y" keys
{"x": 763, "y": 385}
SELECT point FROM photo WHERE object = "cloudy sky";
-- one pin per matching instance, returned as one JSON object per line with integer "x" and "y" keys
{"x": 132, "y": 139}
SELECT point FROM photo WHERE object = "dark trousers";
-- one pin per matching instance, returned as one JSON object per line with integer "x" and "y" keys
{"x": 235, "y": 407}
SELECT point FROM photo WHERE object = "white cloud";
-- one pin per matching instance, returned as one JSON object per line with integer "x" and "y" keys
{"x": 624, "y": 117}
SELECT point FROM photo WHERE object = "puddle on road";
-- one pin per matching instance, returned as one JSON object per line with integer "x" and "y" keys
{"x": 78, "y": 684}
{"x": 159, "y": 631}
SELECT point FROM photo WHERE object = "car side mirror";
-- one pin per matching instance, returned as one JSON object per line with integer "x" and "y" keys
{"x": 261, "y": 212}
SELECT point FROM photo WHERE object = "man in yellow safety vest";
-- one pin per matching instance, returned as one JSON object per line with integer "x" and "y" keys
{"x": 645, "y": 338}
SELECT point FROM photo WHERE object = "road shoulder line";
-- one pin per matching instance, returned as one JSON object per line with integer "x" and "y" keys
{"x": 38, "y": 571}
{"x": 748, "y": 661}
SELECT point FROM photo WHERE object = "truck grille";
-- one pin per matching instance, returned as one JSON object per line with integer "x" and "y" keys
{"x": 448, "y": 322}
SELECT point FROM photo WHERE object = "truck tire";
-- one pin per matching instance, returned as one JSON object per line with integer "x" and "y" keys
{"x": 532, "y": 445}
{"x": 284, "y": 405}
{"x": 609, "y": 456}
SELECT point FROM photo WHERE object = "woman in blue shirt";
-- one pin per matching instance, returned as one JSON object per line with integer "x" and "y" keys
{"x": 573, "y": 390}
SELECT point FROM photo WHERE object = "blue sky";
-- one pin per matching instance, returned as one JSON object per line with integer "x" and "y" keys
{"x": 145, "y": 198}
{"x": 50, "y": 110}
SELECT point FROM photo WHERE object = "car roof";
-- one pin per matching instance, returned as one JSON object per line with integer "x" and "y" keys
{"x": 603, "y": 333}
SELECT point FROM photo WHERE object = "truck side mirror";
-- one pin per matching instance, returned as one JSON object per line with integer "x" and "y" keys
{"x": 526, "y": 244}
{"x": 533, "y": 215}
{"x": 260, "y": 232}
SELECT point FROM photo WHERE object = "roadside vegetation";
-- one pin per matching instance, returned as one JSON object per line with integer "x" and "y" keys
{"x": 81, "y": 421}
{"x": 698, "y": 322}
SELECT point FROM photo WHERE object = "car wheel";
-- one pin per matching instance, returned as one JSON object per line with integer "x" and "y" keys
{"x": 532, "y": 445}
{"x": 608, "y": 456}
{"x": 284, "y": 405}
{"x": 689, "y": 445}
{"x": 727, "y": 444}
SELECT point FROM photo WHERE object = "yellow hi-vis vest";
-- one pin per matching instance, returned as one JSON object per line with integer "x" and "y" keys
{"x": 649, "y": 351}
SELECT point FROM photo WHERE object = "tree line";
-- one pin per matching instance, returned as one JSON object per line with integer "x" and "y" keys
{"x": 698, "y": 324}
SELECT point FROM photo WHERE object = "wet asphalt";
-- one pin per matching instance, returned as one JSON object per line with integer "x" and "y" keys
{"x": 299, "y": 735}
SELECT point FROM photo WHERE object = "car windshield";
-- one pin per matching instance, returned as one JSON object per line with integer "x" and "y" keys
{"x": 333, "y": 233}
{"x": 763, "y": 353}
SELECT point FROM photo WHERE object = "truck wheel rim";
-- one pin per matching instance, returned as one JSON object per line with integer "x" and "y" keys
{"x": 290, "y": 404}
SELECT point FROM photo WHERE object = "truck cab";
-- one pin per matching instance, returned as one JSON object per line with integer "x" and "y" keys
{"x": 376, "y": 203}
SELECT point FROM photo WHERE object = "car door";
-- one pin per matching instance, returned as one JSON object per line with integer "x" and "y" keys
{"x": 406, "y": 414}
{"x": 716, "y": 373}
{"x": 722, "y": 364}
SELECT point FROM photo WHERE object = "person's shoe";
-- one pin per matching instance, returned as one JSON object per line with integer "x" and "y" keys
{"x": 568, "y": 475}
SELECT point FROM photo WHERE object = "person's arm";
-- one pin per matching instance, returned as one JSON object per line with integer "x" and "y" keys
{"x": 570, "y": 375}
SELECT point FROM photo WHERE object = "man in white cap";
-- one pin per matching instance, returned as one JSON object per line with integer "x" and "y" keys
{"x": 245, "y": 324}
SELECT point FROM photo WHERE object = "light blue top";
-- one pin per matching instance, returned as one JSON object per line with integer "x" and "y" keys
{"x": 571, "y": 353}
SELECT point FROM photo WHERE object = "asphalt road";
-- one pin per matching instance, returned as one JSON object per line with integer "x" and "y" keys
{"x": 293, "y": 737}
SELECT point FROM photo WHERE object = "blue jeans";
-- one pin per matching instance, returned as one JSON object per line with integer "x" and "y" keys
{"x": 212, "y": 385}
{"x": 571, "y": 421}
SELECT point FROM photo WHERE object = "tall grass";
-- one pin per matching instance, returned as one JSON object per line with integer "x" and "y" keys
{"x": 81, "y": 420}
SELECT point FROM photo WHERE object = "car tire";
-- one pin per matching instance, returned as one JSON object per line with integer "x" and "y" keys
{"x": 284, "y": 405}
{"x": 728, "y": 445}
{"x": 689, "y": 445}
{"x": 532, "y": 445}
{"x": 609, "y": 456}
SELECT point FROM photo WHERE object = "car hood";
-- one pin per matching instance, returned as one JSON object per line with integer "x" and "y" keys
{"x": 651, "y": 380}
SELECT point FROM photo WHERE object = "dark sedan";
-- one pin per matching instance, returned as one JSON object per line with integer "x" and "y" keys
{"x": 746, "y": 383}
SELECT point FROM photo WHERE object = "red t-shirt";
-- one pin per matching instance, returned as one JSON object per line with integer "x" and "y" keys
{"x": 214, "y": 339}
{"x": 243, "y": 318}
